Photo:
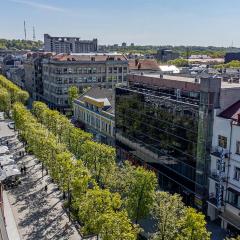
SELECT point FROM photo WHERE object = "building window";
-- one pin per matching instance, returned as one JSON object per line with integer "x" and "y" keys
{"x": 234, "y": 198}
{"x": 237, "y": 174}
{"x": 238, "y": 147}
{"x": 222, "y": 141}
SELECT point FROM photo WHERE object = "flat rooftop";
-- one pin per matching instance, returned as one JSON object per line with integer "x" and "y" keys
{"x": 182, "y": 79}
{"x": 172, "y": 77}
{"x": 91, "y": 57}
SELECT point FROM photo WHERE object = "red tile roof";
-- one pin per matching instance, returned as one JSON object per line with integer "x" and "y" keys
{"x": 232, "y": 111}
{"x": 143, "y": 64}
{"x": 95, "y": 58}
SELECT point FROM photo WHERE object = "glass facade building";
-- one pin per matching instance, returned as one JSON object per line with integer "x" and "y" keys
{"x": 167, "y": 129}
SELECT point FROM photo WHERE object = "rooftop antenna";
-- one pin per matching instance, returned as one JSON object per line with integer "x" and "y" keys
{"x": 25, "y": 32}
{"x": 34, "y": 35}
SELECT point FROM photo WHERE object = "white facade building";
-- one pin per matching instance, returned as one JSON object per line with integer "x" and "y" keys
{"x": 95, "y": 112}
{"x": 224, "y": 177}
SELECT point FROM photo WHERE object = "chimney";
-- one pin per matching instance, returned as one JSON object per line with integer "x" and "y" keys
{"x": 139, "y": 66}
{"x": 136, "y": 62}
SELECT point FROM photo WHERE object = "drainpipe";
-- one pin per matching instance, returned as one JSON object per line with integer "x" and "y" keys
{"x": 228, "y": 165}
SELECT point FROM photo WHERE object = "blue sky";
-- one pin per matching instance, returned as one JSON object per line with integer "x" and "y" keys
{"x": 158, "y": 22}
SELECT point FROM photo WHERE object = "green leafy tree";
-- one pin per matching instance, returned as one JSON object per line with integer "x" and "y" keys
{"x": 5, "y": 101}
{"x": 237, "y": 238}
{"x": 232, "y": 64}
{"x": 193, "y": 226}
{"x": 116, "y": 225}
{"x": 16, "y": 93}
{"x": 20, "y": 44}
{"x": 137, "y": 186}
{"x": 176, "y": 221}
{"x": 100, "y": 160}
{"x": 179, "y": 62}
{"x": 167, "y": 210}
{"x": 93, "y": 205}
{"x": 73, "y": 93}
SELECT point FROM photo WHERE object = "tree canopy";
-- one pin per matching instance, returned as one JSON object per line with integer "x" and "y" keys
{"x": 232, "y": 64}
{"x": 179, "y": 62}
{"x": 73, "y": 93}
{"x": 176, "y": 221}
{"x": 20, "y": 44}
{"x": 16, "y": 93}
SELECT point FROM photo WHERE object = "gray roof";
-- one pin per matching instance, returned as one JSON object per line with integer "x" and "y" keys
{"x": 100, "y": 92}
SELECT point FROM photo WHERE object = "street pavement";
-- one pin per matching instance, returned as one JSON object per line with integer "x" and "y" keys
{"x": 38, "y": 213}
{"x": 11, "y": 226}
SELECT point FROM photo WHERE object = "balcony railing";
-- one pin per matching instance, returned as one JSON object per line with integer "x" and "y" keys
{"x": 213, "y": 201}
{"x": 216, "y": 175}
{"x": 219, "y": 151}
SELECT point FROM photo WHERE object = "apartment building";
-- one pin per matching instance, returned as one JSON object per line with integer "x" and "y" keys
{"x": 69, "y": 44}
{"x": 224, "y": 177}
{"x": 81, "y": 70}
{"x": 33, "y": 74}
{"x": 94, "y": 111}
{"x": 165, "y": 123}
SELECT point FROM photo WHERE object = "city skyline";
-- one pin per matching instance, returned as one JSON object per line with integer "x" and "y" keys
{"x": 153, "y": 22}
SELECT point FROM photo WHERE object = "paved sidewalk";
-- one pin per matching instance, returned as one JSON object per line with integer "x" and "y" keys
{"x": 39, "y": 214}
{"x": 11, "y": 226}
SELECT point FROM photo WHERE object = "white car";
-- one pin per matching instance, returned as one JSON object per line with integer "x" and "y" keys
{"x": 11, "y": 125}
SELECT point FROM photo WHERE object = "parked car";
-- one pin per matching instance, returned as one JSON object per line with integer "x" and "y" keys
{"x": 11, "y": 125}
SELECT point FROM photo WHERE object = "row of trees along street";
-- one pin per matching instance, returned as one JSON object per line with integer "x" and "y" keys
{"x": 9, "y": 94}
{"x": 109, "y": 200}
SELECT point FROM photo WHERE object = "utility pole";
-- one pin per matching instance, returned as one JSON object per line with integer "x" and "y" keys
{"x": 34, "y": 35}
{"x": 25, "y": 32}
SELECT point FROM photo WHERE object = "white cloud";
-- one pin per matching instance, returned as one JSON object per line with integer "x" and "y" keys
{"x": 40, "y": 5}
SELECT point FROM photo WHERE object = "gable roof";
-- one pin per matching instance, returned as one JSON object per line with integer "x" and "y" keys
{"x": 231, "y": 112}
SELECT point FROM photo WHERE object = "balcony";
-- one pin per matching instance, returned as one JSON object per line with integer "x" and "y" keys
{"x": 213, "y": 201}
{"x": 219, "y": 151}
{"x": 216, "y": 176}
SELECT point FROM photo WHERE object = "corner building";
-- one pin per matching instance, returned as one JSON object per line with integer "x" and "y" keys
{"x": 89, "y": 70}
{"x": 165, "y": 123}
{"x": 224, "y": 177}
